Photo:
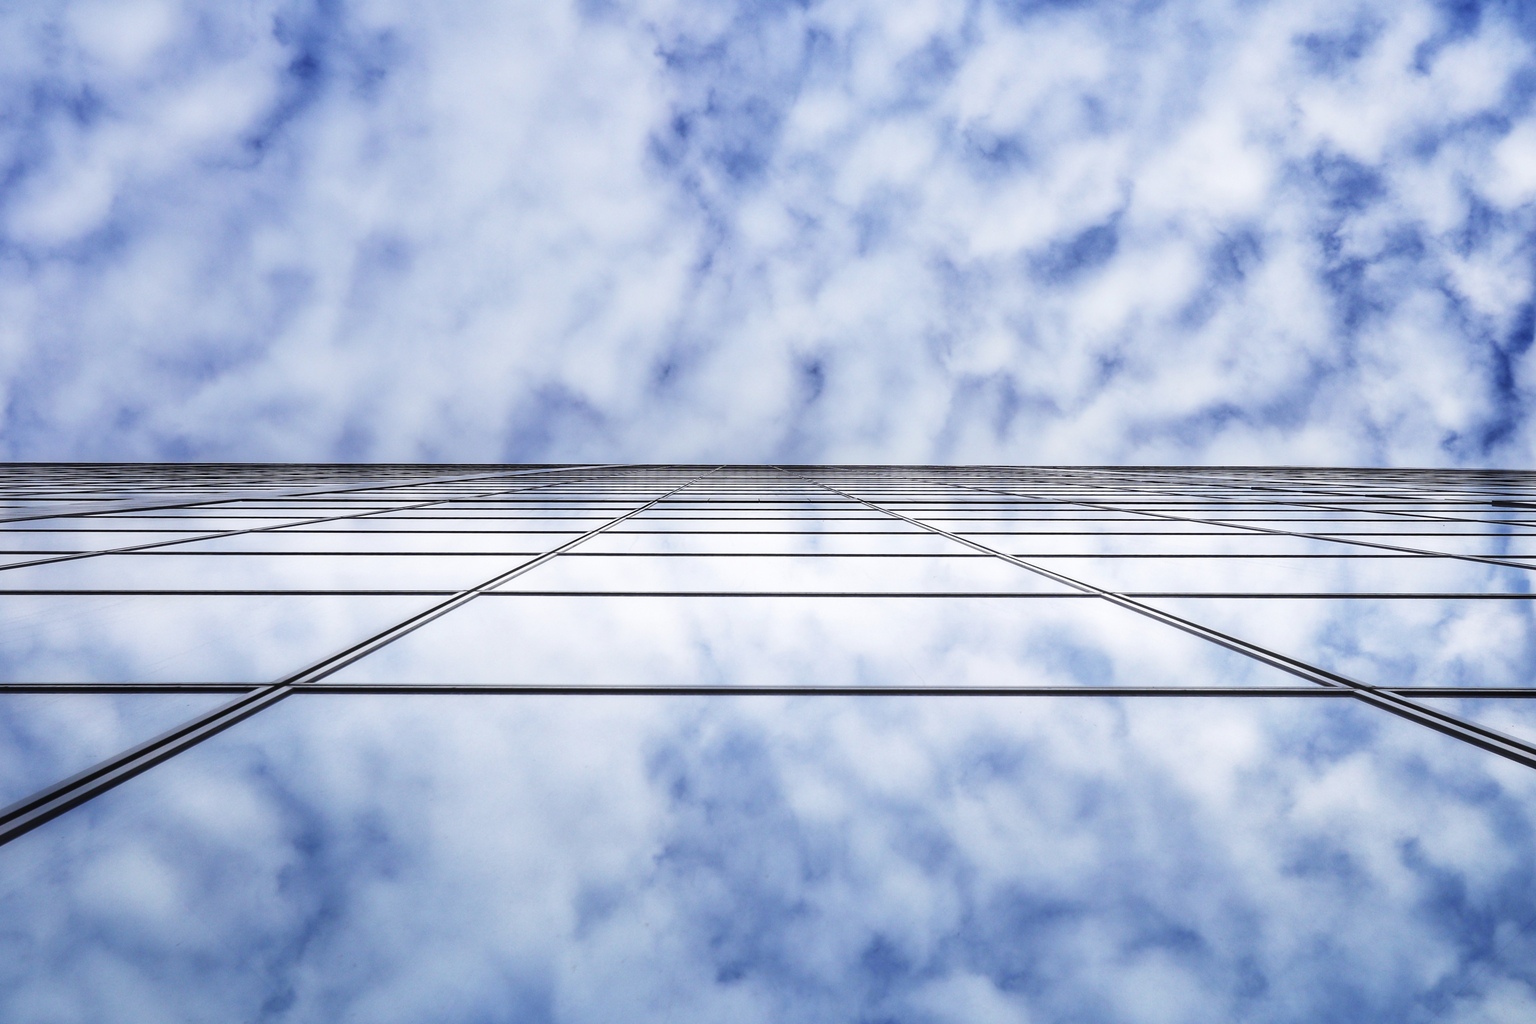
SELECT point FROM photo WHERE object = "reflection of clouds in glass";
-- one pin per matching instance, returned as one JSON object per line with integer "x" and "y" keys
{"x": 787, "y": 858}
{"x": 1510, "y": 717}
{"x": 792, "y": 859}
{"x": 45, "y": 737}
{"x": 796, "y": 641}
{"x": 181, "y": 639}
{"x": 1399, "y": 642}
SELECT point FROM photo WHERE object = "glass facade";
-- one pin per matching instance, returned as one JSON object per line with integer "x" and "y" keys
{"x": 793, "y": 743}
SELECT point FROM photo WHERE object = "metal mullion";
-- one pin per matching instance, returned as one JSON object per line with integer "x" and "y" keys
{"x": 1495, "y": 742}
{"x": 895, "y": 554}
{"x": 1226, "y": 595}
{"x": 1431, "y": 692}
{"x": 429, "y": 592}
{"x": 340, "y": 553}
{"x": 43, "y": 806}
{"x": 810, "y": 689}
{"x": 756, "y": 533}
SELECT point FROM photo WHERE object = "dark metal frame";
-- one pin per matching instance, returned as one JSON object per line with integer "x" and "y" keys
{"x": 1488, "y": 508}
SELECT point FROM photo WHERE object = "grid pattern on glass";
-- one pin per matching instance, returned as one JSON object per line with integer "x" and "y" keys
{"x": 1388, "y": 587}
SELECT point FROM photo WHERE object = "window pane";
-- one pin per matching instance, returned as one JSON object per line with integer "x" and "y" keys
{"x": 45, "y": 737}
{"x": 182, "y": 639}
{"x": 411, "y": 858}
{"x": 1151, "y": 834}
{"x": 1402, "y": 642}
{"x": 751, "y": 641}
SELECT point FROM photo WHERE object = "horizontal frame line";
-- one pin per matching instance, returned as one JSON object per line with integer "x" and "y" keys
{"x": 847, "y": 594}
{"x": 384, "y": 689}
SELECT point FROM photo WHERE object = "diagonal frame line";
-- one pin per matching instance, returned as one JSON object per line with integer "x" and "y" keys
{"x": 1469, "y": 732}
{"x": 127, "y": 549}
{"x": 320, "y": 669}
{"x": 220, "y": 535}
{"x": 46, "y": 804}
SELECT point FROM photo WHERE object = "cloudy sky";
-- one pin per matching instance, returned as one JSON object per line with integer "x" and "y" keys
{"x": 1019, "y": 231}
{"x": 1216, "y": 231}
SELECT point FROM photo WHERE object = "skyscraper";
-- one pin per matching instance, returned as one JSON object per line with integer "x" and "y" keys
{"x": 153, "y": 611}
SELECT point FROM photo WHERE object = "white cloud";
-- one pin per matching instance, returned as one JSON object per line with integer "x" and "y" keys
{"x": 543, "y": 233}
{"x": 1514, "y": 159}
{"x": 123, "y": 34}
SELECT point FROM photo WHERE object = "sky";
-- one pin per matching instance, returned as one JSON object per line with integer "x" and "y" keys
{"x": 1024, "y": 232}
{"x": 1218, "y": 231}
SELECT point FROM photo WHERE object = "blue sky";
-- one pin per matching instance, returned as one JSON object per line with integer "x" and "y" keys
{"x": 1228, "y": 232}
{"x": 1217, "y": 231}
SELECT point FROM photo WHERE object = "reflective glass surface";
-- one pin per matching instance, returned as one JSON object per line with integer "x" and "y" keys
{"x": 469, "y": 743}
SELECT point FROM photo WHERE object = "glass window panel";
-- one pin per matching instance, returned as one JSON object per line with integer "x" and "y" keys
{"x": 808, "y": 540}
{"x": 496, "y": 525}
{"x": 356, "y": 542}
{"x": 1192, "y": 543}
{"x": 45, "y": 542}
{"x": 750, "y": 641}
{"x": 828, "y": 525}
{"x": 1396, "y": 642}
{"x": 747, "y": 573}
{"x": 1089, "y": 527}
{"x": 46, "y": 737}
{"x": 222, "y": 573}
{"x": 531, "y": 519}
{"x": 1489, "y": 545}
{"x": 198, "y": 519}
{"x": 1282, "y": 575}
{"x": 401, "y": 859}
{"x": 182, "y": 639}
{"x": 1509, "y": 716}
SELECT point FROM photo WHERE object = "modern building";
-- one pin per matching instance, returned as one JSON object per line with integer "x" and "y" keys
{"x": 152, "y": 615}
